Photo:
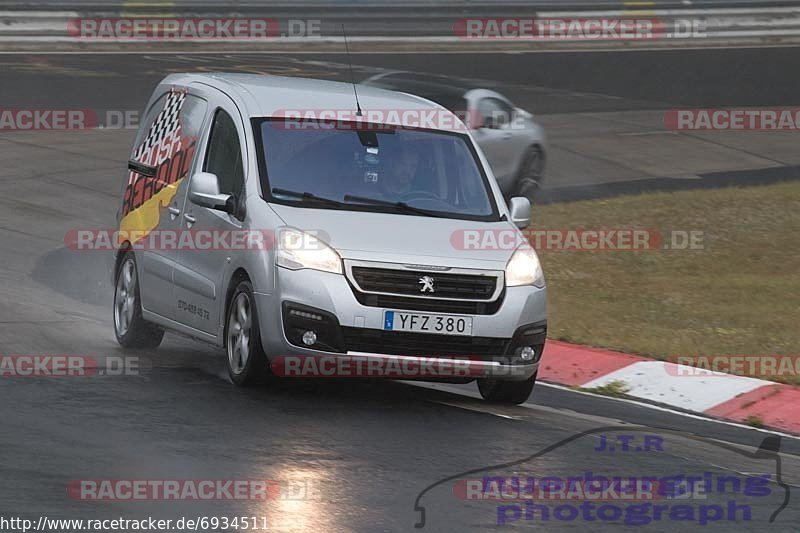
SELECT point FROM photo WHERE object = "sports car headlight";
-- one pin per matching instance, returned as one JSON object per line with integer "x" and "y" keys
{"x": 297, "y": 250}
{"x": 524, "y": 268}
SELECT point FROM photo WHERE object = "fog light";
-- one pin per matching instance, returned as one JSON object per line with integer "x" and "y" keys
{"x": 527, "y": 353}
{"x": 309, "y": 338}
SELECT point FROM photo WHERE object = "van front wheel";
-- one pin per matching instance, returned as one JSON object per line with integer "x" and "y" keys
{"x": 131, "y": 330}
{"x": 247, "y": 363}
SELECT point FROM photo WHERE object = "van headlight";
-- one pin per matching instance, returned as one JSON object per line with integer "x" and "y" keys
{"x": 297, "y": 249}
{"x": 524, "y": 268}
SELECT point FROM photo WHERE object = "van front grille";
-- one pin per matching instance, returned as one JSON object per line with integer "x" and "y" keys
{"x": 410, "y": 283}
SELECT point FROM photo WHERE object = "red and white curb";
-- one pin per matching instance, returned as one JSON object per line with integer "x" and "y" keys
{"x": 725, "y": 396}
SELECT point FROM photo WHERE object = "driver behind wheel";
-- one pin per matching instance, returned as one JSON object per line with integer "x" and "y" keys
{"x": 399, "y": 177}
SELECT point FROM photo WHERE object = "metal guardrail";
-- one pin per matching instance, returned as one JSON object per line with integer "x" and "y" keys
{"x": 247, "y": 5}
{"x": 384, "y": 23}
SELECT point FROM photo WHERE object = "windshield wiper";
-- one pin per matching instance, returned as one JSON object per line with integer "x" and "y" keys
{"x": 401, "y": 206}
{"x": 307, "y": 197}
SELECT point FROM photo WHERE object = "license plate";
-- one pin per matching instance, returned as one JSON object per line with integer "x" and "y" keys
{"x": 427, "y": 323}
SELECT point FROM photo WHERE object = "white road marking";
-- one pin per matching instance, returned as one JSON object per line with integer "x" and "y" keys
{"x": 575, "y": 414}
{"x": 668, "y": 410}
{"x": 476, "y": 409}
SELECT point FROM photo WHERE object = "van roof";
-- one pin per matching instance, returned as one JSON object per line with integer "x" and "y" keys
{"x": 269, "y": 96}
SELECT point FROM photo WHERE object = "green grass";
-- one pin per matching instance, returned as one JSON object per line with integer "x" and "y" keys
{"x": 754, "y": 421}
{"x": 615, "y": 389}
{"x": 739, "y": 295}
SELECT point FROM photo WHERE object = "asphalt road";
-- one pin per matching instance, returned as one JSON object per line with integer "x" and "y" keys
{"x": 357, "y": 456}
{"x": 602, "y": 111}
{"x": 547, "y": 82}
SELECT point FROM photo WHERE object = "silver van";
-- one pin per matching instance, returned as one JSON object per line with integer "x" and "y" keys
{"x": 289, "y": 219}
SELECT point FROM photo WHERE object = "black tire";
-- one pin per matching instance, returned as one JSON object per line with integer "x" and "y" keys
{"x": 531, "y": 174}
{"x": 509, "y": 392}
{"x": 132, "y": 331}
{"x": 251, "y": 368}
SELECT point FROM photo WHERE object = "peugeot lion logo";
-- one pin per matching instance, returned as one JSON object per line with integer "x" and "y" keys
{"x": 427, "y": 284}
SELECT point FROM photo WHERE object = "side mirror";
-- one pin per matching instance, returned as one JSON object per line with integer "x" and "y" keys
{"x": 204, "y": 191}
{"x": 520, "y": 208}
{"x": 488, "y": 122}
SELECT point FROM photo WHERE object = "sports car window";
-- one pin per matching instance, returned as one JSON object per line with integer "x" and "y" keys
{"x": 494, "y": 112}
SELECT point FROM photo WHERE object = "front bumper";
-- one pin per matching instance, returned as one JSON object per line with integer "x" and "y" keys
{"x": 489, "y": 352}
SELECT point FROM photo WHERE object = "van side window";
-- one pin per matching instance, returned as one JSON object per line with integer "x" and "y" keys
{"x": 146, "y": 123}
{"x": 166, "y": 141}
{"x": 224, "y": 155}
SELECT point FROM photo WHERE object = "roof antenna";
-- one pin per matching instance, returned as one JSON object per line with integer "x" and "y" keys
{"x": 352, "y": 79}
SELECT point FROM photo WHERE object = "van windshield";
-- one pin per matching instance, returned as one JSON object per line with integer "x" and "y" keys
{"x": 372, "y": 168}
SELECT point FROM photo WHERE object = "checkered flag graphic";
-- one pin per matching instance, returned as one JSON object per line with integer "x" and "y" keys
{"x": 167, "y": 121}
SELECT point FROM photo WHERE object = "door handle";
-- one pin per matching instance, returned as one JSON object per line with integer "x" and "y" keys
{"x": 173, "y": 212}
{"x": 506, "y": 136}
{"x": 189, "y": 218}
